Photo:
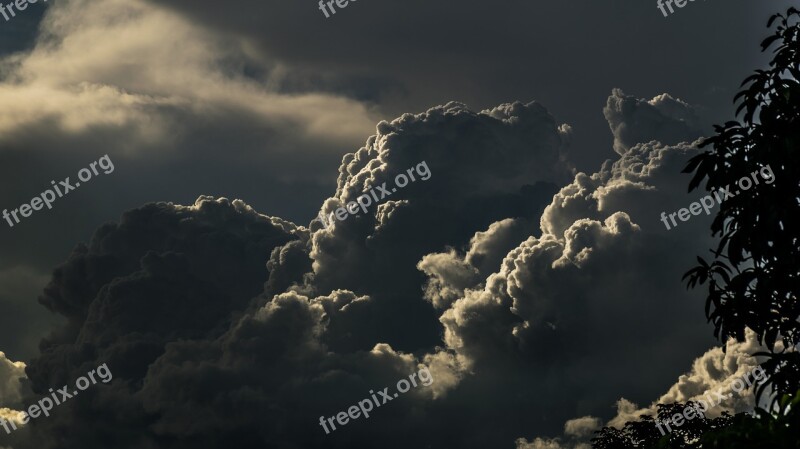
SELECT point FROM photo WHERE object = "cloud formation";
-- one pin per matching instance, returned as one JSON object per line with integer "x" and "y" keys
{"x": 225, "y": 326}
{"x": 175, "y": 106}
{"x": 10, "y": 374}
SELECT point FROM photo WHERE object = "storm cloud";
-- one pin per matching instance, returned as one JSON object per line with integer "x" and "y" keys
{"x": 530, "y": 273}
{"x": 226, "y": 326}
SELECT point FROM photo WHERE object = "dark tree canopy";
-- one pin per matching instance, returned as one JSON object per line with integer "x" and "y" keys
{"x": 754, "y": 278}
{"x": 754, "y": 275}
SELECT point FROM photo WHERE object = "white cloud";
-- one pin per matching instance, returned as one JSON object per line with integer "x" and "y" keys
{"x": 143, "y": 71}
{"x": 10, "y": 374}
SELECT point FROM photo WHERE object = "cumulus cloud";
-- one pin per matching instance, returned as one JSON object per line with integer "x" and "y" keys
{"x": 225, "y": 326}
{"x": 10, "y": 374}
{"x": 725, "y": 371}
{"x": 581, "y": 427}
{"x": 560, "y": 303}
{"x": 485, "y": 167}
{"x": 418, "y": 49}
{"x": 664, "y": 118}
{"x": 576, "y": 434}
{"x": 12, "y": 392}
{"x": 729, "y": 372}
{"x": 177, "y": 107}
{"x": 147, "y": 297}
{"x": 539, "y": 443}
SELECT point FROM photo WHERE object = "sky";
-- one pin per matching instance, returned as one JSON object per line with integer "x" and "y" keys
{"x": 526, "y": 268}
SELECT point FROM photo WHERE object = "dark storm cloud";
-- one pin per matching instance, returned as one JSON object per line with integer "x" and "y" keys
{"x": 163, "y": 274}
{"x": 663, "y": 118}
{"x": 500, "y": 163}
{"x": 171, "y": 105}
{"x": 558, "y": 332}
{"x": 132, "y": 291}
{"x": 564, "y": 54}
{"x": 260, "y": 100}
{"x": 541, "y": 327}
{"x": 224, "y": 327}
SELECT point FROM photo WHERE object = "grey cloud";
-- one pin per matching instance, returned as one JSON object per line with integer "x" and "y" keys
{"x": 255, "y": 327}
{"x": 169, "y": 102}
{"x": 530, "y": 323}
{"x": 564, "y": 54}
{"x": 581, "y": 427}
{"x": 666, "y": 119}
{"x": 449, "y": 275}
{"x": 11, "y": 389}
{"x": 715, "y": 370}
{"x": 147, "y": 295}
{"x": 487, "y": 166}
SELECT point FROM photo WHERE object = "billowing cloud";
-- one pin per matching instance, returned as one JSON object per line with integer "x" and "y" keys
{"x": 581, "y": 427}
{"x": 664, "y": 118}
{"x": 12, "y": 392}
{"x": 560, "y": 303}
{"x": 565, "y": 54}
{"x": 729, "y": 373}
{"x": 225, "y": 326}
{"x": 147, "y": 295}
{"x": 164, "y": 77}
{"x": 482, "y": 167}
{"x": 10, "y": 374}
{"x": 174, "y": 106}
{"x": 722, "y": 380}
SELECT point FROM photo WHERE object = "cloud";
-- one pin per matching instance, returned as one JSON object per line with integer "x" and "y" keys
{"x": 10, "y": 374}
{"x": 715, "y": 370}
{"x": 581, "y": 427}
{"x": 170, "y": 68}
{"x": 485, "y": 167}
{"x": 576, "y": 433}
{"x": 148, "y": 296}
{"x": 225, "y": 326}
{"x": 549, "y": 317}
{"x": 174, "y": 106}
{"x": 12, "y": 391}
{"x": 664, "y": 118}
{"x": 406, "y": 57}
{"x": 539, "y": 443}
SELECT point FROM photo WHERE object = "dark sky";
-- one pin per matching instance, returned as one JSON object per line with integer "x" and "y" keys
{"x": 227, "y": 320}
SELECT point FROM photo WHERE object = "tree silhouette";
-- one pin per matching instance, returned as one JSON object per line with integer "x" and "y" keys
{"x": 753, "y": 277}
{"x": 645, "y": 433}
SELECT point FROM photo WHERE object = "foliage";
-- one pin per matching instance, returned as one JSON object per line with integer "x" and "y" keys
{"x": 754, "y": 278}
{"x": 754, "y": 275}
